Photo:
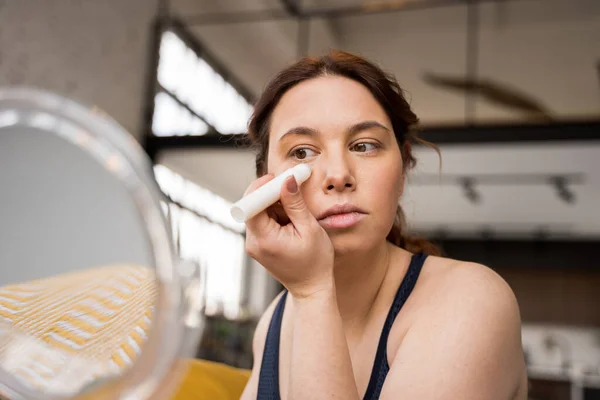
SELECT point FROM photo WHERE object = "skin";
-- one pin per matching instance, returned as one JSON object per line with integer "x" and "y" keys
{"x": 457, "y": 336}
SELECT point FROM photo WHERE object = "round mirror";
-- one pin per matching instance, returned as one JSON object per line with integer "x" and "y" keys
{"x": 92, "y": 299}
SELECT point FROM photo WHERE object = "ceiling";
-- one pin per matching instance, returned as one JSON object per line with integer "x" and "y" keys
{"x": 546, "y": 49}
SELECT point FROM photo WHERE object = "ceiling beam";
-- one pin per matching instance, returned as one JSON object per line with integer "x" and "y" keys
{"x": 223, "y": 18}
{"x": 292, "y": 7}
{"x": 567, "y": 131}
{"x": 319, "y": 32}
{"x": 454, "y": 135}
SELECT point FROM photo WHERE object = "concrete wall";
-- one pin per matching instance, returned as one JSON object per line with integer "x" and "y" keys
{"x": 93, "y": 51}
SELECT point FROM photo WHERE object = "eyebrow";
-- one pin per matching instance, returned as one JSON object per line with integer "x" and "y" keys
{"x": 353, "y": 130}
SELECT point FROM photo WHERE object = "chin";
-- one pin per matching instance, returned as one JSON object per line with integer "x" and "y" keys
{"x": 346, "y": 243}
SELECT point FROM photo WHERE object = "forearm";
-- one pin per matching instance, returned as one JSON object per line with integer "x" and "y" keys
{"x": 320, "y": 361}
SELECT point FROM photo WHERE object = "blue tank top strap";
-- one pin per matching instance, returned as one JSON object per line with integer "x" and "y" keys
{"x": 381, "y": 366}
{"x": 268, "y": 383}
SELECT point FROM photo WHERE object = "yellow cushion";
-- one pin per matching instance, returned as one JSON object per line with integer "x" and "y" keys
{"x": 211, "y": 381}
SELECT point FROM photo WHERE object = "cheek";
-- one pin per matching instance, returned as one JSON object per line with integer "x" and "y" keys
{"x": 387, "y": 189}
{"x": 384, "y": 189}
{"x": 386, "y": 184}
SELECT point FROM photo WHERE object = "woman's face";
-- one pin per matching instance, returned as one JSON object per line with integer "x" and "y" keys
{"x": 336, "y": 126}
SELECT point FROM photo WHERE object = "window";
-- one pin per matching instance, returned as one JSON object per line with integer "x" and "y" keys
{"x": 194, "y": 99}
{"x": 171, "y": 119}
{"x": 214, "y": 241}
{"x": 194, "y": 94}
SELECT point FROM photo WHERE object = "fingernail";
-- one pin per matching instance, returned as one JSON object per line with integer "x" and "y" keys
{"x": 291, "y": 184}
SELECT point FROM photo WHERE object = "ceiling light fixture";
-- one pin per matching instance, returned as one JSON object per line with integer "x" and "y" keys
{"x": 562, "y": 191}
{"x": 468, "y": 187}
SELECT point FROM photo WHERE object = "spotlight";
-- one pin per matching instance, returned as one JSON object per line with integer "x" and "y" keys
{"x": 563, "y": 192}
{"x": 469, "y": 190}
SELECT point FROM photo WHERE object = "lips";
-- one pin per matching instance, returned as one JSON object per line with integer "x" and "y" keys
{"x": 341, "y": 216}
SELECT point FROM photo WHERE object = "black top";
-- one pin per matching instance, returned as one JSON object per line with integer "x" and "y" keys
{"x": 268, "y": 384}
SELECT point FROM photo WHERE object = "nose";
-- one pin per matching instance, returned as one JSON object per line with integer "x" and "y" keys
{"x": 338, "y": 175}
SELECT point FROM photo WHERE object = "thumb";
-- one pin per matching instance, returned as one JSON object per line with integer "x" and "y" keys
{"x": 293, "y": 202}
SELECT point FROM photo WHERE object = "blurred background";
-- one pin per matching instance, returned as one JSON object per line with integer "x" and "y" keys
{"x": 508, "y": 89}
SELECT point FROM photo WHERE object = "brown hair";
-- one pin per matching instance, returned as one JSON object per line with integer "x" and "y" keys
{"x": 386, "y": 91}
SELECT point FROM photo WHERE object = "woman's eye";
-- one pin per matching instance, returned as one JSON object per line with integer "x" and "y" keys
{"x": 364, "y": 147}
{"x": 302, "y": 153}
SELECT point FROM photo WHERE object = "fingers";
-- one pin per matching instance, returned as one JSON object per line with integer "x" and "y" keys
{"x": 277, "y": 212}
{"x": 294, "y": 205}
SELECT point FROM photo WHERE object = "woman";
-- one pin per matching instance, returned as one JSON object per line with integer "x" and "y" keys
{"x": 367, "y": 312}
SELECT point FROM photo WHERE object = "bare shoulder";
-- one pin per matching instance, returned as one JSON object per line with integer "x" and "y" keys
{"x": 473, "y": 298}
{"x": 470, "y": 286}
{"x": 258, "y": 345}
{"x": 467, "y": 325}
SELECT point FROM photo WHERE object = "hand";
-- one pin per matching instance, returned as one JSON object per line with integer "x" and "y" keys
{"x": 290, "y": 243}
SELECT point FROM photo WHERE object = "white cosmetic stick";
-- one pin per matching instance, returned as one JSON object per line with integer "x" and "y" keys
{"x": 266, "y": 195}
